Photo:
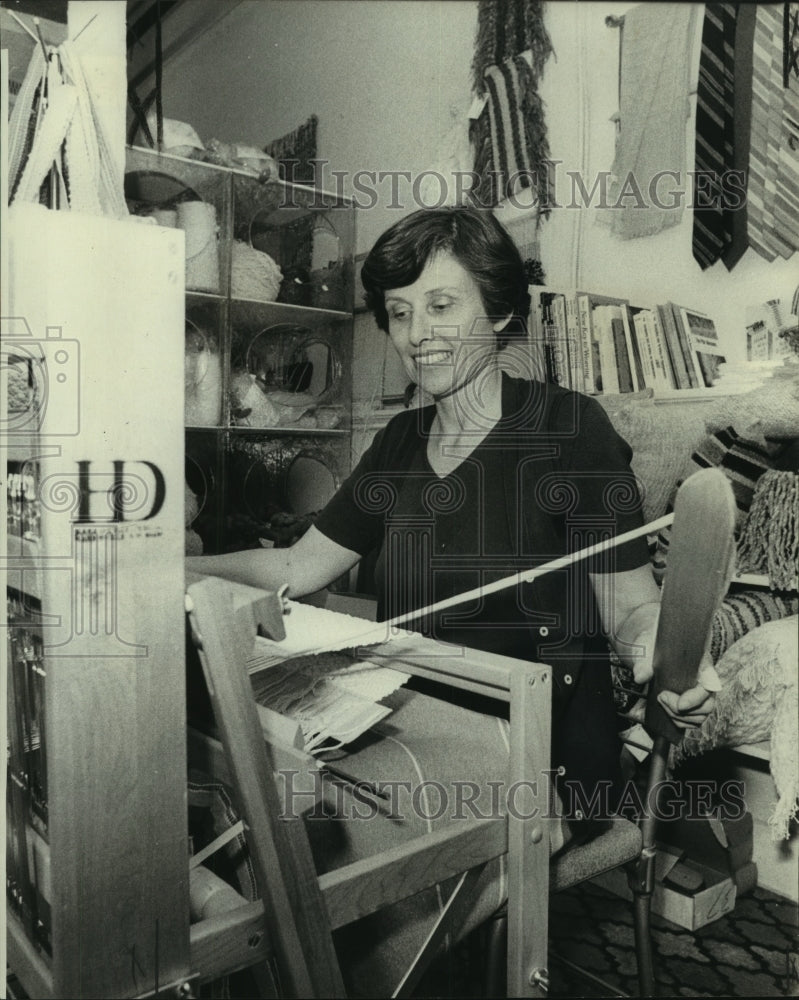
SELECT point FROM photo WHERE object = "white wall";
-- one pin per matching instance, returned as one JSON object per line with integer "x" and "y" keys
{"x": 387, "y": 79}
{"x": 384, "y": 78}
{"x": 657, "y": 268}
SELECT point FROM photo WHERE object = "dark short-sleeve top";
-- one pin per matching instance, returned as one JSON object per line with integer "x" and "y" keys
{"x": 549, "y": 478}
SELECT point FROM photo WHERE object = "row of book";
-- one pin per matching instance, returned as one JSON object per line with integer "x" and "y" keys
{"x": 602, "y": 344}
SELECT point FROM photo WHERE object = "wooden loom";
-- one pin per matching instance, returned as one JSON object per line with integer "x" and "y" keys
{"x": 108, "y": 878}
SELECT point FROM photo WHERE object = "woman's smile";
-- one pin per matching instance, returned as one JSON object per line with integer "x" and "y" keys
{"x": 439, "y": 327}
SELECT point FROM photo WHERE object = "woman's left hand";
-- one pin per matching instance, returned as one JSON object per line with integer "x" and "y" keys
{"x": 693, "y": 706}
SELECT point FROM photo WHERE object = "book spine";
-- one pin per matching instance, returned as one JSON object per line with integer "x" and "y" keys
{"x": 704, "y": 340}
{"x": 623, "y": 366}
{"x": 559, "y": 318}
{"x": 662, "y": 363}
{"x": 655, "y": 376}
{"x": 633, "y": 350}
{"x": 673, "y": 348}
{"x": 535, "y": 335}
{"x": 644, "y": 349}
{"x": 586, "y": 344}
{"x": 603, "y": 332}
{"x": 689, "y": 354}
{"x": 553, "y": 355}
{"x": 574, "y": 345}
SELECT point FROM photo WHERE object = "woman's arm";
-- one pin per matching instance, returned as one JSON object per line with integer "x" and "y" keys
{"x": 629, "y": 606}
{"x": 311, "y": 563}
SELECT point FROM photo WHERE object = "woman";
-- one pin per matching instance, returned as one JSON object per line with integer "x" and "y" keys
{"x": 496, "y": 475}
{"x": 505, "y": 474}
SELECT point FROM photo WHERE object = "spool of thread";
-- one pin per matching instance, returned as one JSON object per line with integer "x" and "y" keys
{"x": 202, "y": 373}
{"x": 209, "y": 895}
{"x": 167, "y": 217}
{"x": 198, "y": 220}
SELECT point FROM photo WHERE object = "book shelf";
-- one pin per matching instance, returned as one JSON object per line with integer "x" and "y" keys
{"x": 604, "y": 344}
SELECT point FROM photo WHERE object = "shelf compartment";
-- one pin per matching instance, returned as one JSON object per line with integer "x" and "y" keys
{"x": 277, "y": 484}
{"x": 308, "y": 233}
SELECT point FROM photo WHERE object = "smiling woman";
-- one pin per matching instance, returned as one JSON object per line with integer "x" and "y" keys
{"x": 496, "y": 475}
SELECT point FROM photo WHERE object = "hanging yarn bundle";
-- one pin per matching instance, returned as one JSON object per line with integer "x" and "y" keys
{"x": 770, "y": 539}
{"x": 506, "y": 30}
{"x": 55, "y": 130}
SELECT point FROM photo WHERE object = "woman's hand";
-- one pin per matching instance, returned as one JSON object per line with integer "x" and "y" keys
{"x": 693, "y": 706}
{"x": 630, "y": 606}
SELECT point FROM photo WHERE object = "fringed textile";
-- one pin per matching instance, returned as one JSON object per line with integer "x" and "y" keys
{"x": 758, "y": 702}
{"x": 505, "y": 30}
{"x": 770, "y": 539}
{"x": 295, "y": 154}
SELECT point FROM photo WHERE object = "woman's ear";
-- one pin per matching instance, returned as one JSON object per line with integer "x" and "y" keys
{"x": 501, "y": 324}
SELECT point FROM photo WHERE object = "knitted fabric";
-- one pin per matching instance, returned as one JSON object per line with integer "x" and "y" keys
{"x": 770, "y": 538}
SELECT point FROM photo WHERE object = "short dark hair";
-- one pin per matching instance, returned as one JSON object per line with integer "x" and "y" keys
{"x": 478, "y": 242}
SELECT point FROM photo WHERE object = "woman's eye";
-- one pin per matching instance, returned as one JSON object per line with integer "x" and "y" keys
{"x": 440, "y": 306}
{"x": 399, "y": 314}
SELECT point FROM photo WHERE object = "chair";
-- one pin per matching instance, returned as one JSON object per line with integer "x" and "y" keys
{"x": 699, "y": 569}
{"x": 291, "y": 926}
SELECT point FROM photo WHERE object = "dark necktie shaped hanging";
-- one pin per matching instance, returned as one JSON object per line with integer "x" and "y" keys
{"x": 715, "y": 134}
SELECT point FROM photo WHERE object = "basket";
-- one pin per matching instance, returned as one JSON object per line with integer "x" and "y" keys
{"x": 253, "y": 273}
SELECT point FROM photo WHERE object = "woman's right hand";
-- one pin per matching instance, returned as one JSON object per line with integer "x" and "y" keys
{"x": 308, "y": 565}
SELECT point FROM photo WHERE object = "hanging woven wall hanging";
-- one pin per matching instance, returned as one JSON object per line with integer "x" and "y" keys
{"x": 510, "y": 136}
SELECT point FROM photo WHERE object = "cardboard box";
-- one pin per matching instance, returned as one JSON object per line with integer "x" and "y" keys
{"x": 707, "y": 904}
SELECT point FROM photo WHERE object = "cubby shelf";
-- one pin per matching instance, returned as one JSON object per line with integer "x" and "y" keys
{"x": 253, "y": 358}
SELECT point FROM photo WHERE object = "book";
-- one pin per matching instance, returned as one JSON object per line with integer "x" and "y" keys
{"x": 663, "y": 362}
{"x": 623, "y": 362}
{"x": 655, "y": 373}
{"x": 703, "y": 340}
{"x": 594, "y": 379}
{"x": 639, "y": 382}
{"x": 561, "y": 350}
{"x": 691, "y": 363}
{"x": 758, "y": 337}
{"x": 603, "y": 316}
{"x": 674, "y": 348}
{"x": 590, "y": 375}
{"x": 573, "y": 343}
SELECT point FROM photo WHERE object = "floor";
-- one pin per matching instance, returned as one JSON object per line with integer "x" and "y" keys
{"x": 751, "y": 952}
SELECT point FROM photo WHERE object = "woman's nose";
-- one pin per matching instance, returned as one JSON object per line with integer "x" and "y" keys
{"x": 419, "y": 329}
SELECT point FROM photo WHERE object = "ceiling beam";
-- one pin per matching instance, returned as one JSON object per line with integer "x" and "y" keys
{"x": 183, "y": 24}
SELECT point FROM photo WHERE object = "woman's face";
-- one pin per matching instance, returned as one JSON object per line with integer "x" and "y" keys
{"x": 439, "y": 327}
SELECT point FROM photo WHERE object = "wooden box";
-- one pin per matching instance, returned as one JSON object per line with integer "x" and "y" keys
{"x": 693, "y": 911}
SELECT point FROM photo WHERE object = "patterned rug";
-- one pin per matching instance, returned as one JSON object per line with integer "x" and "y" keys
{"x": 751, "y": 952}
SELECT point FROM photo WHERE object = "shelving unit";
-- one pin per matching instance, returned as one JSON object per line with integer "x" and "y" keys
{"x": 268, "y": 370}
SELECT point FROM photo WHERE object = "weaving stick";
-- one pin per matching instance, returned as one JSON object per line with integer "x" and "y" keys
{"x": 528, "y": 575}
{"x": 699, "y": 570}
